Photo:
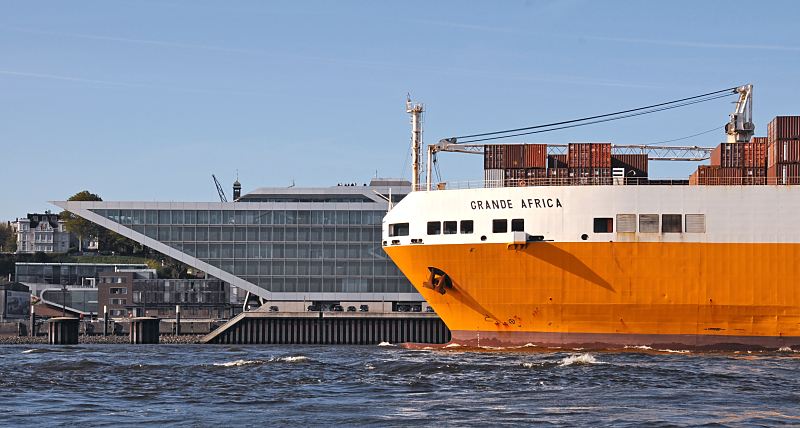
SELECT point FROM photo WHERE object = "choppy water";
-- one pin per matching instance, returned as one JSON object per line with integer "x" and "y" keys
{"x": 195, "y": 385}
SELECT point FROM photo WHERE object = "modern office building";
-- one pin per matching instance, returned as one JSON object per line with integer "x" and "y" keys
{"x": 43, "y": 233}
{"x": 129, "y": 293}
{"x": 281, "y": 244}
{"x": 70, "y": 284}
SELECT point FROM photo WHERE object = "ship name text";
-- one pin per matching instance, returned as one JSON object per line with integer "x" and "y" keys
{"x": 501, "y": 204}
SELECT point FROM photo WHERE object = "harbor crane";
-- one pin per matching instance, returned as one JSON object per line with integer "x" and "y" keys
{"x": 221, "y": 192}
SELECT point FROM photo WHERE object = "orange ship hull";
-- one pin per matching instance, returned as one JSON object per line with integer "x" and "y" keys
{"x": 608, "y": 294}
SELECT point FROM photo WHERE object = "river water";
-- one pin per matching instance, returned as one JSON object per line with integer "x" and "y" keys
{"x": 210, "y": 385}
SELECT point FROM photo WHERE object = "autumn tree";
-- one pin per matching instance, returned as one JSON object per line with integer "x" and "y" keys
{"x": 8, "y": 238}
{"x": 79, "y": 226}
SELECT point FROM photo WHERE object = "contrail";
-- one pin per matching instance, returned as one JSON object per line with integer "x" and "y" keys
{"x": 115, "y": 83}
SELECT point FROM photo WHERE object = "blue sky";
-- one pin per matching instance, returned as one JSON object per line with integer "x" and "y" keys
{"x": 144, "y": 100}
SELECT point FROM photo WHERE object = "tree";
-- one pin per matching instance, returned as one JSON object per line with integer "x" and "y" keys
{"x": 80, "y": 226}
{"x": 8, "y": 238}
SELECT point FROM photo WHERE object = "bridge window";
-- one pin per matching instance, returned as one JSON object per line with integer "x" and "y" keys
{"x": 603, "y": 225}
{"x": 671, "y": 223}
{"x": 450, "y": 227}
{"x": 434, "y": 227}
{"x": 499, "y": 226}
{"x": 648, "y": 223}
{"x": 518, "y": 225}
{"x": 695, "y": 223}
{"x": 626, "y": 222}
{"x": 398, "y": 229}
{"x": 466, "y": 226}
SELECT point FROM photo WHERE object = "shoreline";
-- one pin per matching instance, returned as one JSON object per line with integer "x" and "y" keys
{"x": 184, "y": 339}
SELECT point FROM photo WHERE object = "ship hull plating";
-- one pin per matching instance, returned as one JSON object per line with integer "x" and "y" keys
{"x": 613, "y": 294}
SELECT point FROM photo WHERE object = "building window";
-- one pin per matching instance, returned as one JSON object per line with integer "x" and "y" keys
{"x": 118, "y": 290}
{"x": 398, "y": 229}
{"x": 695, "y": 223}
{"x": 518, "y": 225}
{"x": 648, "y": 223}
{"x": 626, "y": 222}
{"x": 671, "y": 223}
{"x": 499, "y": 226}
{"x": 434, "y": 227}
{"x": 118, "y": 301}
{"x": 466, "y": 226}
{"x": 603, "y": 225}
{"x": 450, "y": 227}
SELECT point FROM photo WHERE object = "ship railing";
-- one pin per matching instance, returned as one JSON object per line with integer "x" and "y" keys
{"x": 614, "y": 181}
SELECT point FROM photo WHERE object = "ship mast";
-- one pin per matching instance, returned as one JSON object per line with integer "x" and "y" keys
{"x": 415, "y": 110}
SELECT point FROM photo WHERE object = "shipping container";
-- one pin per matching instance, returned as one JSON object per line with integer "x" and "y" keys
{"x": 755, "y": 153}
{"x": 589, "y": 155}
{"x": 590, "y": 176}
{"x": 634, "y": 165}
{"x": 578, "y": 155}
{"x": 492, "y": 156}
{"x": 557, "y": 161}
{"x": 783, "y": 151}
{"x": 712, "y": 175}
{"x": 728, "y": 155}
{"x": 601, "y": 155}
{"x": 783, "y": 174}
{"x": 535, "y": 156}
{"x": 493, "y": 178}
{"x": 754, "y": 175}
{"x": 513, "y": 156}
{"x": 784, "y": 128}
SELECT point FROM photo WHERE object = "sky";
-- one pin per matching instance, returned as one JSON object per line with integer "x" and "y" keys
{"x": 144, "y": 100}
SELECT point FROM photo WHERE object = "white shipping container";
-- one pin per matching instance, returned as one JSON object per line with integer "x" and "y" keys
{"x": 493, "y": 178}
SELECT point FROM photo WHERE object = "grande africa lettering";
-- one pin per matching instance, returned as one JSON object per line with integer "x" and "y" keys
{"x": 500, "y": 204}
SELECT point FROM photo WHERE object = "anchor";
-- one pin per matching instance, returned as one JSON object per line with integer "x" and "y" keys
{"x": 438, "y": 281}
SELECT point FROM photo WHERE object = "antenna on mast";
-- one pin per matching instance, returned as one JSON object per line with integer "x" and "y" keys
{"x": 415, "y": 110}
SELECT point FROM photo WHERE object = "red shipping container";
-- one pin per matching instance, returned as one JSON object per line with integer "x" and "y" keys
{"x": 711, "y": 175}
{"x": 728, "y": 155}
{"x": 579, "y": 155}
{"x": 513, "y": 156}
{"x": 755, "y": 153}
{"x": 557, "y": 161}
{"x": 535, "y": 156}
{"x": 783, "y": 174}
{"x": 600, "y": 155}
{"x": 784, "y": 128}
{"x": 783, "y": 151}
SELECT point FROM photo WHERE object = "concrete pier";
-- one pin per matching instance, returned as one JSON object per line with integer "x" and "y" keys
{"x": 63, "y": 330}
{"x": 331, "y": 328}
{"x": 144, "y": 330}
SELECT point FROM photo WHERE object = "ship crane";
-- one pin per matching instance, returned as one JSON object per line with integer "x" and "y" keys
{"x": 741, "y": 128}
{"x": 659, "y": 153}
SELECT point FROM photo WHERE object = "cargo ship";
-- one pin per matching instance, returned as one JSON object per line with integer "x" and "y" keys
{"x": 577, "y": 253}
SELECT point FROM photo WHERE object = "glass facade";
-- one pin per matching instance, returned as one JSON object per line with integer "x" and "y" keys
{"x": 279, "y": 250}
{"x": 65, "y": 273}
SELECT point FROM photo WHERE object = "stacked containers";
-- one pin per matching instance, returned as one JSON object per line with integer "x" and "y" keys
{"x": 728, "y": 155}
{"x": 514, "y": 164}
{"x": 589, "y": 163}
{"x": 735, "y": 163}
{"x": 783, "y": 153}
{"x": 493, "y": 172}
